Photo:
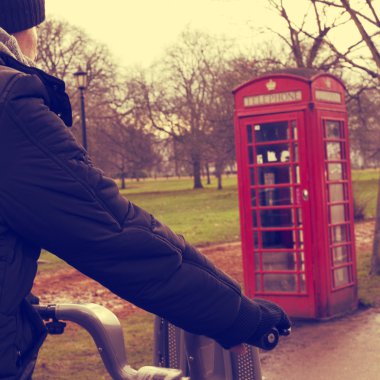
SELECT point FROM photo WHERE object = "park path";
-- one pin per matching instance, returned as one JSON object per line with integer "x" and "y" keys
{"x": 346, "y": 348}
{"x": 343, "y": 349}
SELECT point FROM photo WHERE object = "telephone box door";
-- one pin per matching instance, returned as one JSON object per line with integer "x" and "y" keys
{"x": 276, "y": 226}
{"x": 340, "y": 265}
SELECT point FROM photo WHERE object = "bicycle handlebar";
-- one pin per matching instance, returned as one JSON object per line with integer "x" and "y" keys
{"x": 46, "y": 312}
{"x": 107, "y": 333}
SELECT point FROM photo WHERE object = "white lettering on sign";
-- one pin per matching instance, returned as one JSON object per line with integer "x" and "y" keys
{"x": 280, "y": 97}
{"x": 328, "y": 96}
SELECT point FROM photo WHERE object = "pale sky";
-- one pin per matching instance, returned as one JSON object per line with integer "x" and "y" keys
{"x": 137, "y": 31}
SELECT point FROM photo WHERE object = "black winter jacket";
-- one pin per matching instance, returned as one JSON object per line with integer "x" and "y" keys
{"x": 52, "y": 197}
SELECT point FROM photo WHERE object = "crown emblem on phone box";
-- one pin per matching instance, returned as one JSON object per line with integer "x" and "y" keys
{"x": 271, "y": 85}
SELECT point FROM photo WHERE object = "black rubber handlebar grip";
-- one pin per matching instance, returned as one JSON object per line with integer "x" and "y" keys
{"x": 270, "y": 340}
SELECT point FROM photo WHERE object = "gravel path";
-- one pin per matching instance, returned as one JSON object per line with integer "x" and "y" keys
{"x": 342, "y": 349}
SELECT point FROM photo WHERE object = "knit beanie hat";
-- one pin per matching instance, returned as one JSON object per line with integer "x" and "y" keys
{"x": 18, "y": 15}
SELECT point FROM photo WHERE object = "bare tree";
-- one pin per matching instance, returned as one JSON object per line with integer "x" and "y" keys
{"x": 124, "y": 145}
{"x": 363, "y": 15}
{"x": 62, "y": 49}
{"x": 127, "y": 152}
{"x": 61, "y": 45}
{"x": 178, "y": 101}
{"x": 236, "y": 70}
{"x": 306, "y": 39}
{"x": 363, "y": 104}
{"x": 361, "y": 56}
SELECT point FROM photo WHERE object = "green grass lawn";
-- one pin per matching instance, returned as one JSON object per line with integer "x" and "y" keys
{"x": 364, "y": 175}
{"x": 368, "y": 285}
{"x": 365, "y": 183}
{"x": 204, "y": 216}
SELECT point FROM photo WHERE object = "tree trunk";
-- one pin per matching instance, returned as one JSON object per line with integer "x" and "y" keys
{"x": 175, "y": 158}
{"x": 197, "y": 174}
{"x": 123, "y": 181}
{"x": 375, "y": 262}
{"x": 176, "y": 168}
{"x": 219, "y": 168}
{"x": 208, "y": 174}
{"x": 219, "y": 177}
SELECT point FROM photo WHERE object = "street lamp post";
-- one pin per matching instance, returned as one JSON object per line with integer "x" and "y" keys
{"x": 81, "y": 77}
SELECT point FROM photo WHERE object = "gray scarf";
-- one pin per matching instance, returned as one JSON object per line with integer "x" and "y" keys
{"x": 9, "y": 45}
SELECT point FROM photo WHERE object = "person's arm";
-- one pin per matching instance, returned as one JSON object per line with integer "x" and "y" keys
{"x": 52, "y": 196}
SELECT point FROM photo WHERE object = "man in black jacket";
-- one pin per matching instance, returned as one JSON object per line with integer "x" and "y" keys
{"x": 52, "y": 197}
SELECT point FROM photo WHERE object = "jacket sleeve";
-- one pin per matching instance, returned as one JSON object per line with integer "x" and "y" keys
{"x": 52, "y": 196}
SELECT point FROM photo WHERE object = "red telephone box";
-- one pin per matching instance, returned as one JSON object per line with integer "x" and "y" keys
{"x": 295, "y": 192}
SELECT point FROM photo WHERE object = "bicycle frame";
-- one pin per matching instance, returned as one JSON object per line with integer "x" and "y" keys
{"x": 202, "y": 358}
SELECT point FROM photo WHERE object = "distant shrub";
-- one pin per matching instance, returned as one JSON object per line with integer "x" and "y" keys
{"x": 360, "y": 206}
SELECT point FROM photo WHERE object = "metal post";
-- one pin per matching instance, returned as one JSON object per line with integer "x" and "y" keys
{"x": 83, "y": 117}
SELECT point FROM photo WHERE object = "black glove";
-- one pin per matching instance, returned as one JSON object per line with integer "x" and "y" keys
{"x": 272, "y": 316}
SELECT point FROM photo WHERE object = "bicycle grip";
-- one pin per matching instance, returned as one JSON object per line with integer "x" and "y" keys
{"x": 270, "y": 340}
